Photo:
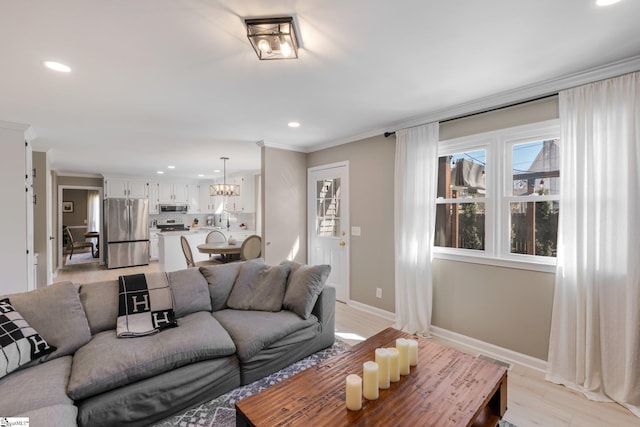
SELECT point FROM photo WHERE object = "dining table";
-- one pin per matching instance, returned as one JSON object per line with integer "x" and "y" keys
{"x": 228, "y": 251}
{"x": 94, "y": 235}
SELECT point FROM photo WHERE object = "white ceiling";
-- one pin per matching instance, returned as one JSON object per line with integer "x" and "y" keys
{"x": 159, "y": 82}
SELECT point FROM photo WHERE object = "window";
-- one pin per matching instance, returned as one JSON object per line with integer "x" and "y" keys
{"x": 498, "y": 195}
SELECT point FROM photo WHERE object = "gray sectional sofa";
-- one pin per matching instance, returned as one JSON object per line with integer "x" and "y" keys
{"x": 224, "y": 338}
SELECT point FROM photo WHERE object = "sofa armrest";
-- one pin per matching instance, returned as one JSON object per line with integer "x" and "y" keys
{"x": 325, "y": 308}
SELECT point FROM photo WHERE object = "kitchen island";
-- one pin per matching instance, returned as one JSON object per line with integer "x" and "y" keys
{"x": 170, "y": 255}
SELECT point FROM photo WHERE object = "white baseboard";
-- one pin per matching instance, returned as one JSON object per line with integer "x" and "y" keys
{"x": 492, "y": 350}
{"x": 485, "y": 348}
{"x": 374, "y": 310}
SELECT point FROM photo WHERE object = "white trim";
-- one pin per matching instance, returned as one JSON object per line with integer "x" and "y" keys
{"x": 492, "y": 350}
{"x": 329, "y": 166}
{"x": 501, "y": 99}
{"x": 282, "y": 146}
{"x": 438, "y": 253}
{"x": 373, "y": 310}
{"x": 13, "y": 126}
{"x": 78, "y": 175}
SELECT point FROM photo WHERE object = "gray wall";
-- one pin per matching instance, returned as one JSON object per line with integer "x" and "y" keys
{"x": 284, "y": 219}
{"x": 507, "y": 307}
{"x": 371, "y": 171}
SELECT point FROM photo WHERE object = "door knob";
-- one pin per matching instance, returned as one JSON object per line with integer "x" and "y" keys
{"x": 343, "y": 243}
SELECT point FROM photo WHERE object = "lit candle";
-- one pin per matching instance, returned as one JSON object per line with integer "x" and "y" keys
{"x": 413, "y": 352}
{"x": 354, "y": 392}
{"x": 370, "y": 380}
{"x": 403, "y": 347}
{"x": 382, "y": 359}
{"x": 394, "y": 366}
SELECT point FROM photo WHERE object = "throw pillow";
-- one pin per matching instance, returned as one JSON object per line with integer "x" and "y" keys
{"x": 190, "y": 291}
{"x": 259, "y": 287}
{"x": 303, "y": 287}
{"x": 145, "y": 305}
{"x": 220, "y": 279}
{"x": 19, "y": 342}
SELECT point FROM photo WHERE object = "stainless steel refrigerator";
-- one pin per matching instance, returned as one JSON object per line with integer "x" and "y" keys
{"x": 126, "y": 227}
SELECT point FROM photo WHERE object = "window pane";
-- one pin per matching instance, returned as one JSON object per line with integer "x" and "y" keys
{"x": 534, "y": 228}
{"x": 328, "y": 207}
{"x": 536, "y": 168}
{"x": 460, "y": 225}
{"x": 462, "y": 175}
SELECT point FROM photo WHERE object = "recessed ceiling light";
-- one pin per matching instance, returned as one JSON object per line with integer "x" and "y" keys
{"x": 294, "y": 124}
{"x": 160, "y": 172}
{"x": 171, "y": 167}
{"x": 56, "y": 66}
{"x": 200, "y": 175}
{"x": 217, "y": 171}
{"x": 606, "y": 2}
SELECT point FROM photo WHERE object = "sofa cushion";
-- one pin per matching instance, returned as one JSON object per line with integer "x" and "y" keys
{"x": 190, "y": 291}
{"x": 259, "y": 287}
{"x": 303, "y": 287}
{"x": 254, "y": 330}
{"x": 19, "y": 342}
{"x": 37, "y": 387}
{"x": 100, "y": 302}
{"x": 220, "y": 279}
{"x": 58, "y": 316}
{"x": 108, "y": 362}
{"x": 145, "y": 305}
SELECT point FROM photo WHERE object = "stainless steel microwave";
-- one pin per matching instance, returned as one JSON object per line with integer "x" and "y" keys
{"x": 179, "y": 208}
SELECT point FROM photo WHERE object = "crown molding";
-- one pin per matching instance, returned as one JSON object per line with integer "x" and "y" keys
{"x": 13, "y": 126}
{"x": 501, "y": 99}
{"x": 263, "y": 144}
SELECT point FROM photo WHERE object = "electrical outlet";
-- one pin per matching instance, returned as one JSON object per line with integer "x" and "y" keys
{"x": 378, "y": 292}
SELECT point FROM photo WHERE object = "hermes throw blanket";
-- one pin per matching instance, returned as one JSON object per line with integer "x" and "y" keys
{"x": 145, "y": 305}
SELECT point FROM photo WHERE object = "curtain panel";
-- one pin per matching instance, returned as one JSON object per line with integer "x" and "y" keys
{"x": 595, "y": 331}
{"x": 416, "y": 174}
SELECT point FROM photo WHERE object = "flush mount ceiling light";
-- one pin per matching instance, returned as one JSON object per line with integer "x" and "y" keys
{"x": 273, "y": 38}
{"x": 224, "y": 189}
{"x": 293, "y": 124}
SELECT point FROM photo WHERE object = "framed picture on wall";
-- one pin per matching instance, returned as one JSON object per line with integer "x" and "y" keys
{"x": 67, "y": 207}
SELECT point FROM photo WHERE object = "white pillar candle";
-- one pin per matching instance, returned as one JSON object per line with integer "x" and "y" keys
{"x": 354, "y": 392}
{"x": 382, "y": 359}
{"x": 394, "y": 366}
{"x": 413, "y": 352}
{"x": 370, "y": 380}
{"x": 403, "y": 347}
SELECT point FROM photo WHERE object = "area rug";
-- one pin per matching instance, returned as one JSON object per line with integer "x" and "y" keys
{"x": 80, "y": 258}
{"x": 220, "y": 412}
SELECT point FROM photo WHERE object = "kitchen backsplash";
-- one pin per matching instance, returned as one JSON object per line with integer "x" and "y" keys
{"x": 235, "y": 219}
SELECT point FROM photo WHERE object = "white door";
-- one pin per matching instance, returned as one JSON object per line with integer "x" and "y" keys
{"x": 328, "y": 223}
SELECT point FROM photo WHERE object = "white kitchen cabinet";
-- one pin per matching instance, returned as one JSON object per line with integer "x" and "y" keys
{"x": 154, "y": 198}
{"x": 170, "y": 192}
{"x": 209, "y": 203}
{"x": 125, "y": 187}
{"x": 193, "y": 198}
{"x": 153, "y": 246}
{"x": 246, "y": 201}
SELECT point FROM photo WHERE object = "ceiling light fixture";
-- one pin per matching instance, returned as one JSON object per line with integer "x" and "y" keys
{"x": 606, "y": 2}
{"x": 224, "y": 189}
{"x": 160, "y": 172}
{"x": 273, "y": 38}
{"x": 56, "y": 66}
{"x": 171, "y": 167}
{"x": 293, "y": 124}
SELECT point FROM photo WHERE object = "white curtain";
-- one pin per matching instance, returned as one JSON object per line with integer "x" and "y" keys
{"x": 93, "y": 211}
{"x": 595, "y": 330}
{"x": 416, "y": 174}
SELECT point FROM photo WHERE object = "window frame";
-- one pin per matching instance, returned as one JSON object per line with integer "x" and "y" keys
{"x": 498, "y": 146}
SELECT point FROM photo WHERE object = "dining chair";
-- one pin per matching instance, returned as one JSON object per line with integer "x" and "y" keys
{"x": 78, "y": 245}
{"x": 216, "y": 236}
{"x": 251, "y": 247}
{"x": 188, "y": 255}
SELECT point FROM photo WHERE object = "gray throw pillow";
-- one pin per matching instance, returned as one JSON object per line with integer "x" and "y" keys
{"x": 259, "y": 287}
{"x": 303, "y": 287}
{"x": 220, "y": 279}
{"x": 190, "y": 291}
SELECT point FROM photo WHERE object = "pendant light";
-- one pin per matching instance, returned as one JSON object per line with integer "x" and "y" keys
{"x": 224, "y": 189}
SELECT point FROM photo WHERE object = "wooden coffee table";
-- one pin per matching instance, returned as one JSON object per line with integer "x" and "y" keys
{"x": 447, "y": 388}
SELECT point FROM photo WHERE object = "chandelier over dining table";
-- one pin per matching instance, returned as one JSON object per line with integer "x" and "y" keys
{"x": 224, "y": 189}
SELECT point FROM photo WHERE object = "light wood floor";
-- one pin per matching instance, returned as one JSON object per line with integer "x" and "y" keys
{"x": 532, "y": 401}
